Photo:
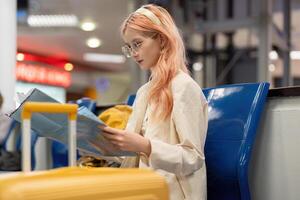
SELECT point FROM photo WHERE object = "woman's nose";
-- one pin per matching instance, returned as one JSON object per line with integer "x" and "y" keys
{"x": 134, "y": 54}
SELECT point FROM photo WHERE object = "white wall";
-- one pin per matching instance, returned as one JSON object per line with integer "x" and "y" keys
{"x": 275, "y": 166}
{"x": 8, "y": 27}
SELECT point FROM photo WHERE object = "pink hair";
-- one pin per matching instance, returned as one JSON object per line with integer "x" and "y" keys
{"x": 171, "y": 60}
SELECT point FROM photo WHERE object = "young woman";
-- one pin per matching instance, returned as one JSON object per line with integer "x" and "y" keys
{"x": 169, "y": 121}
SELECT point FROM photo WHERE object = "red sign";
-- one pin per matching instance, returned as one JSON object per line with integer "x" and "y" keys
{"x": 34, "y": 74}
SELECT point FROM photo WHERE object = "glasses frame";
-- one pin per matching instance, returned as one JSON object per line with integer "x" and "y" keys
{"x": 129, "y": 50}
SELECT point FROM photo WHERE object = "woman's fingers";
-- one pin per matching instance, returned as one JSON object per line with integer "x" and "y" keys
{"x": 109, "y": 136}
{"x": 110, "y": 130}
{"x": 115, "y": 136}
{"x": 115, "y": 140}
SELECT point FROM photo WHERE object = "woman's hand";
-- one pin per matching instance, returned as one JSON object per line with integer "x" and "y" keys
{"x": 127, "y": 141}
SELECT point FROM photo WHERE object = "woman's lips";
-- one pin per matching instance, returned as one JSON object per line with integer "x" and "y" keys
{"x": 140, "y": 61}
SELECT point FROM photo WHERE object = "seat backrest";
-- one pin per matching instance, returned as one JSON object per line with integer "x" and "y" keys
{"x": 87, "y": 102}
{"x": 130, "y": 99}
{"x": 234, "y": 112}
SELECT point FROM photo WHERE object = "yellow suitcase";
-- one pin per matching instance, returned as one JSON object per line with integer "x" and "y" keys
{"x": 74, "y": 182}
{"x": 84, "y": 183}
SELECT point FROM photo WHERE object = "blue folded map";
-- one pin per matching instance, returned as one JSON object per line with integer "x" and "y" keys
{"x": 55, "y": 126}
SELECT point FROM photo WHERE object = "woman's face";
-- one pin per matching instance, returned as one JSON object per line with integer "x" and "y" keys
{"x": 145, "y": 50}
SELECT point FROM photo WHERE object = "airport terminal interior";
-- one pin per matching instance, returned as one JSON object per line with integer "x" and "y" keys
{"x": 67, "y": 58}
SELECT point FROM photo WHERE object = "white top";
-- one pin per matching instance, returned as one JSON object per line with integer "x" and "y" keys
{"x": 177, "y": 144}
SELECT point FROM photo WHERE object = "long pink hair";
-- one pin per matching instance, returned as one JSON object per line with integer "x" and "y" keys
{"x": 171, "y": 60}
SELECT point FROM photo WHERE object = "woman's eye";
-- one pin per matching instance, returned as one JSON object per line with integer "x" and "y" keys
{"x": 137, "y": 44}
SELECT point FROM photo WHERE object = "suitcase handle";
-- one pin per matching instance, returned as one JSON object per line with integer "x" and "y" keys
{"x": 31, "y": 107}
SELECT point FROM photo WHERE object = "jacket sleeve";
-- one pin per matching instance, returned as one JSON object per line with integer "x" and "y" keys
{"x": 190, "y": 119}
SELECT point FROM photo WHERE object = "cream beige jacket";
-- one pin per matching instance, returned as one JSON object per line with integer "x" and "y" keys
{"x": 177, "y": 144}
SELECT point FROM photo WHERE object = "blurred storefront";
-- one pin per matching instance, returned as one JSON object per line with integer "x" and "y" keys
{"x": 32, "y": 73}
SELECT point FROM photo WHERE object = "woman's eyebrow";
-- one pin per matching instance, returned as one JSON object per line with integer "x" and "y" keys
{"x": 135, "y": 39}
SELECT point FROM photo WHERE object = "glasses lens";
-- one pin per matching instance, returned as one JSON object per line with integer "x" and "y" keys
{"x": 136, "y": 46}
{"x": 126, "y": 51}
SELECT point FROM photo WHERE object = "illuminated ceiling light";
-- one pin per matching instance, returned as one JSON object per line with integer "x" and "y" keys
{"x": 88, "y": 26}
{"x": 273, "y": 55}
{"x": 52, "y": 20}
{"x": 295, "y": 55}
{"x": 105, "y": 58}
{"x": 271, "y": 67}
{"x": 69, "y": 67}
{"x": 93, "y": 42}
{"x": 20, "y": 57}
{"x": 197, "y": 66}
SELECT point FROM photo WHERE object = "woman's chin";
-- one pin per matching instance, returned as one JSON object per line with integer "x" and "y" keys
{"x": 143, "y": 66}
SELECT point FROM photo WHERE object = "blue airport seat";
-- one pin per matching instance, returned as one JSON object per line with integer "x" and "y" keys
{"x": 60, "y": 150}
{"x": 234, "y": 113}
{"x": 131, "y": 99}
{"x": 88, "y": 103}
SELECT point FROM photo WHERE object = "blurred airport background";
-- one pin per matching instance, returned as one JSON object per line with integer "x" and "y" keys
{"x": 71, "y": 48}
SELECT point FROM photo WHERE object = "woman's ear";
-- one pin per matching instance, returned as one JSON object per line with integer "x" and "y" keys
{"x": 161, "y": 41}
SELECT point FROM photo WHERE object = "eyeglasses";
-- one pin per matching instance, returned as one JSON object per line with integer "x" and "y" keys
{"x": 128, "y": 50}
